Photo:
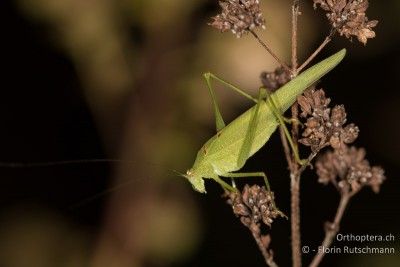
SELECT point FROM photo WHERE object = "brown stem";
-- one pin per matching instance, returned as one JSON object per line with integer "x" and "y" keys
{"x": 267, "y": 254}
{"x": 295, "y": 196}
{"x": 309, "y": 159}
{"x": 294, "y": 173}
{"x": 295, "y": 218}
{"x": 331, "y": 229}
{"x": 283, "y": 64}
{"x": 295, "y": 176}
{"x": 295, "y": 203}
{"x": 321, "y": 46}
{"x": 295, "y": 13}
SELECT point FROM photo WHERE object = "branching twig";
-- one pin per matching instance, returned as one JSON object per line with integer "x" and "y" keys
{"x": 321, "y": 46}
{"x": 267, "y": 254}
{"x": 331, "y": 229}
{"x": 283, "y": 64}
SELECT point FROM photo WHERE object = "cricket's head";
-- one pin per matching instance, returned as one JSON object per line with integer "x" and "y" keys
{"x": 196, "y": 181}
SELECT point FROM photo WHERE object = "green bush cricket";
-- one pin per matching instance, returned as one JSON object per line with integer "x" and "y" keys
{"x": 228, "y": 150}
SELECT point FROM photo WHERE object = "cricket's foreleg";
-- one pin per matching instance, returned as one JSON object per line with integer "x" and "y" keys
{"x": 258, "y": 174}
{"x": 218, "y": 117}
{"x": 282, "y": 121}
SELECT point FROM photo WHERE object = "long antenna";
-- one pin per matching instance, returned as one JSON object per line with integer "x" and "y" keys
{"x": 58, "y": 163}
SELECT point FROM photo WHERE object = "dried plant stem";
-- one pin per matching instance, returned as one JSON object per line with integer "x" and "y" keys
{"x": 295, "y": 199}
{"x": 332, "y": 228}
{"x": 295, "y": 176}
{"x": 295, "y": 210}
{"x": 268, "y": 255}
{"x": 295, "y": 218}
{"x": 321, "y": 46}
{"x": 283, "y": 64}
{"x": 294, "y": 173}
{"x": 310, "y": 158}
{"x": 295, "y": 13}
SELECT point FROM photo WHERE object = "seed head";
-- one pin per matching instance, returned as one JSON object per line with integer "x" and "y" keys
{"x": 275, "y": 79}
{"x": 238, "y": 16}
{"x": 324, "y": 126}
{"x": 348, "y": 169}
{"x": 348, "y": 18}
{"x": 253, "y": 204}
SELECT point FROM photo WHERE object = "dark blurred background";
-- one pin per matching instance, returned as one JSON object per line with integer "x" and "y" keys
{"x": 123, "y": 80}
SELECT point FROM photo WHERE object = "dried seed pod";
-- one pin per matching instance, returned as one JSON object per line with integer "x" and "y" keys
{"x": 238, "y": 16}
{"x": 348, "y": 168}
{"x": 253, "y": 204}
{"x": 348, "y": 18}
{"x": 275, "y": 79}
{"x": 324, "y": 126}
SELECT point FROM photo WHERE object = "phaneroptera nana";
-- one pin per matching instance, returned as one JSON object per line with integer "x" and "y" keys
{"x": 228, "y": 150}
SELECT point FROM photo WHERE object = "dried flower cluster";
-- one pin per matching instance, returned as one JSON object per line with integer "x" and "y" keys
{"x": 348, "y": 18}
{"x": 353, "y": 170}
{"x": 276, "y": 79}
{"x": 238, "y": 16}
{"x": 324, "y": 126}
{"x": 253, "y": 205}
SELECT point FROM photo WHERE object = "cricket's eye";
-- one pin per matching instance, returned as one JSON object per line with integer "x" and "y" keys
{"x": 189, "y": 173}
